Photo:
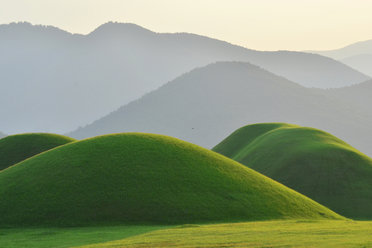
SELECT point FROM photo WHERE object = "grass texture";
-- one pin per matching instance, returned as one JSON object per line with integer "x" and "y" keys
{"x": 67, "y": 237}
{"x": 142, "y": 178}
{"x": 16, "y": 148}
{"x": 308, "y": 160}
{"x": 274, "y": 234}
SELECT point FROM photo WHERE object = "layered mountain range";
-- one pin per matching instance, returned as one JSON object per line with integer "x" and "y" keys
{"x": 207, "y": 104}
{"x": 55, "y": 81}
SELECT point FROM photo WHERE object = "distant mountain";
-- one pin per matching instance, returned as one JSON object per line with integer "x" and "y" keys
{"x": 357, "y": 56}
{"x": 55, "y": 81}
{"x": 358, "y": 96}
{"x": 2, "y": 135}
{"x": 361, "y": 62}
{"x": 207, "y": 104}
{"x": 362, "y": 47}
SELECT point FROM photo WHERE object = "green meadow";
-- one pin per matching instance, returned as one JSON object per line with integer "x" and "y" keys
{"x": 67, "y": 237}
{"x": 299, "y": 233}
{"x": 286, "y": 233}
{"x": 147, "y": 190}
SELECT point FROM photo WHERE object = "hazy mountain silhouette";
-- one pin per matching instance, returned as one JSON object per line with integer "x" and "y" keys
{"x": 55, "y": 81}
{"x": 207, "y": 104}
{"x": 362, "y": 47}
{"x": 362, "y": 62}
{"x": 2, "y": 135}
{"x": 358, "y": 96}
{"x": 357, "y": 56}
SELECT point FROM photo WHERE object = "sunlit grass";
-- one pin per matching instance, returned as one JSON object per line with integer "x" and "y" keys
{"x": 256, "y": 234}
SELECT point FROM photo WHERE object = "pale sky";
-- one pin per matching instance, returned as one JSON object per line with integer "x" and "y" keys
{"x": 256, "y": 24}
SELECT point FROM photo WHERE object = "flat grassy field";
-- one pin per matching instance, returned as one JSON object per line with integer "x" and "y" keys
{"x": 290, "y": 233}
{"x": 255, "y": 234}
{"x": 67, "y": 237}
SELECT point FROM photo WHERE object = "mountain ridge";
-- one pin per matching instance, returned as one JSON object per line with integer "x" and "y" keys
{"x": 206, "y": 104}
{"x": 356, "y": 55}
{"x": 98, "y": 73}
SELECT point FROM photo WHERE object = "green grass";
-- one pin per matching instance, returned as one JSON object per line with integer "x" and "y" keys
{"x": 67, "y": 237}
{"x": 142, "y": 178}
{"x": 327, "y": 234}
{"x": 308, "y": 160}
{"x": 16, "y": 148}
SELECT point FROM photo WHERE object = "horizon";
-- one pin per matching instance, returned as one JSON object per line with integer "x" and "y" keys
{"x": 116, "y": 22}
{"x": 260, "y": 25}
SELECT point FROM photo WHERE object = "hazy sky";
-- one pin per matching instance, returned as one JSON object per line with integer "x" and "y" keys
{"x": 258, "y": 24}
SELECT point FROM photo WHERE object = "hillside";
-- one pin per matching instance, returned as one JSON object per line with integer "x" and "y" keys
{"x": 308, "y": 160}
{"x": 207, "y": 104}
{"x": 358, "y": 96}
{"x": 361, "y": 62}
{"x": 118, "y": 63}
{"x": 357, "y": 56}
{"x": 142, "y": 178}
{"x": 16, "y": 148}
{"x": 362, "y": 47}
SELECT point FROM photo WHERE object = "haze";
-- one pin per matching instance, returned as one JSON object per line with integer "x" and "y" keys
{"x": 262, "y": 25}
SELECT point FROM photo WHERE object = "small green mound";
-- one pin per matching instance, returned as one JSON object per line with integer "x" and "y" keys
{"x": 308, "y": 160}
{"x": 16, "y": 148}
{"x": 142, "y": 178}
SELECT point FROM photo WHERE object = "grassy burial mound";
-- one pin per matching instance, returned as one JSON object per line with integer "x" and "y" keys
{"x": 308, "y": 160}
{"x": 142, "y": 178}
{"x": 16, "y": 148}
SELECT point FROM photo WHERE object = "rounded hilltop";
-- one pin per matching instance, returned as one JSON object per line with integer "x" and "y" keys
{"x": 310, "y": 161}
{"x": 16, "y": 148}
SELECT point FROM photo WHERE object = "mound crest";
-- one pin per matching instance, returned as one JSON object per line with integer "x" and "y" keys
{"x": 16, "y": 148}
{"x": 308, "y": 160}
{"x": 142, "y": 178}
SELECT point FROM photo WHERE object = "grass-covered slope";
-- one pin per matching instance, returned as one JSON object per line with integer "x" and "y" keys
{"x": 16, "y": 148}
{"x": 309, "y": 161}
{"x": 142, "y": 178}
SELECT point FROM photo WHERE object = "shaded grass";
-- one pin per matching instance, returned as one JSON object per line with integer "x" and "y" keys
{"x": 67, "y": 237}
{"x": 292, "y": 233}
{"x": 308, "y": 160}
{"x": 16, "y": 148}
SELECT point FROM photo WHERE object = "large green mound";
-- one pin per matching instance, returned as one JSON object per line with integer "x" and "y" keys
{"x": 16, "y": 148}
{"x": 142, "y": 178}
{"x": 308, "y": 160}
